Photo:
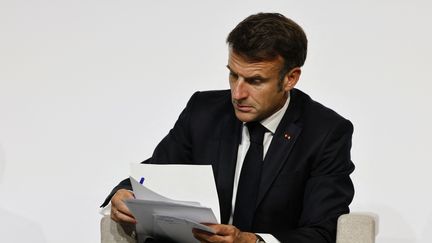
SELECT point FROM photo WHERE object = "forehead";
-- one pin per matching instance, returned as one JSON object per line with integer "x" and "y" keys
{"x": 245, "y": 67}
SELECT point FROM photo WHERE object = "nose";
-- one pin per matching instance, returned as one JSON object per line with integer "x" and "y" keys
{"x": 239, "y": 90}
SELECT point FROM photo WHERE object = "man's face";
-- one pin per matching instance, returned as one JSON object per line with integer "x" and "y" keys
{"x": 256, "y": 88}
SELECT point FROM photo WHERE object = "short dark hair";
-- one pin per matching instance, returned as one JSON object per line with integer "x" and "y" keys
{"x": 265, "y": 36}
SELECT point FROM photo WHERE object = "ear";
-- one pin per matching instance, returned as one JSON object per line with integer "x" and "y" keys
{"x": 291, "y": 78}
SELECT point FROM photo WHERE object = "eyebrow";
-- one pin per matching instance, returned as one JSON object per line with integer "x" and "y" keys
{"x": 248, "y": 79}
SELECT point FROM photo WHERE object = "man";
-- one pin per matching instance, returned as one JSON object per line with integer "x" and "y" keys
{"x": 290, "y": 182}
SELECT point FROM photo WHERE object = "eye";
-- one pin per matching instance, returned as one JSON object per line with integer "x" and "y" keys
{"x": 254, "y": 81}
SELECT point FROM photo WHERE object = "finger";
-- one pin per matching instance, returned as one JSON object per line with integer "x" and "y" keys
{"x": 204, "y": 236}
{"x": 122, "y": 208}
{"x": 224, "y": 233}
{"x": 201, "y": 231}
{"x": 119, "y": 211}
{"x": 230, "y": 233}
{"x": 118, "y": 199}
{"x": 224, "y": 229}
{"x": 122, "y": 218}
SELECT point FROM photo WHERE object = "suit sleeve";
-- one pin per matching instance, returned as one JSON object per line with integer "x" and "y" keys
{"x": 328, "y": 191}
{"x": 174, "y": 147}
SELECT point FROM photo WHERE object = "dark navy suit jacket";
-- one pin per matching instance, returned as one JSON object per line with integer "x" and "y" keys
{"x": 305, "y": 183}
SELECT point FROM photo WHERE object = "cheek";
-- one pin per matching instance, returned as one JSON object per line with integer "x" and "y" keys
{"x": 263, "y": 98}
{"x": 269, "y": 101}
{"x": 255, "y": 100}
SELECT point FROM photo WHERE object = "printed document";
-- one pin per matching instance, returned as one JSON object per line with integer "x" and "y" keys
{"x": 171, "y": 200}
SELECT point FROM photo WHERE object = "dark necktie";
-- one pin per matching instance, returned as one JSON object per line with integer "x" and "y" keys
{"x": 250, "y": 176}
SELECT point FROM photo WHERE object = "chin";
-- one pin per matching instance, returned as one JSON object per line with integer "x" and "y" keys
{"x": 245, "y": 117}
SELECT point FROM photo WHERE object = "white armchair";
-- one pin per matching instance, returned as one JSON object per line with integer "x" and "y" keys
{"x": 351, "y": 228}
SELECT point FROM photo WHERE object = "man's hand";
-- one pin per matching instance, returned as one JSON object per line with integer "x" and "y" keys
{"x": 119, "y": 211}
{"x": 224, "y": 233}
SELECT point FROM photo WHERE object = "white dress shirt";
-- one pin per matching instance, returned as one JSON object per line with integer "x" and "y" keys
{"x": 271, "y": 123}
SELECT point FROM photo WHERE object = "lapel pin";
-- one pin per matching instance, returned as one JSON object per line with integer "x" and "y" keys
{"x": 287, "y": 136}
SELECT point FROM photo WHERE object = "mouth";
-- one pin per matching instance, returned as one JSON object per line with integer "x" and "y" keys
{"x": 242, "y": 107}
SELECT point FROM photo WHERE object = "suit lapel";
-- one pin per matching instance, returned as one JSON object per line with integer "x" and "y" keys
{"x": 281, "y": 145}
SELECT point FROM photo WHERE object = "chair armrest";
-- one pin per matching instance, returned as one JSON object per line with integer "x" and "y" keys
{"x": 357, "y": 228}
{"x": 351, "y": 228}
{"x": 113, "y": 232}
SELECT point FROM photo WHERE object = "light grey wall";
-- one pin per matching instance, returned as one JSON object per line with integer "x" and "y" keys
{"x": 87, "y": 87}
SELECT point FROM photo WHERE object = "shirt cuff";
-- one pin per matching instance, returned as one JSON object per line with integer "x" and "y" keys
{"x": 268, "y": 238}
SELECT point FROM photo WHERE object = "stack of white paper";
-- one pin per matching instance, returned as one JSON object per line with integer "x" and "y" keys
{"x": 173, "y": 199}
